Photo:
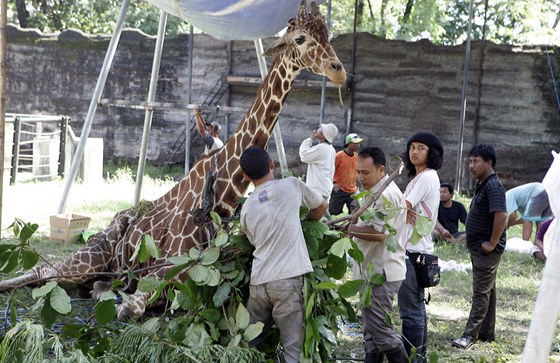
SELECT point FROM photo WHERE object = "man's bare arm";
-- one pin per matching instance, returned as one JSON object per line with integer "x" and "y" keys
{"x": 317, "y": 213}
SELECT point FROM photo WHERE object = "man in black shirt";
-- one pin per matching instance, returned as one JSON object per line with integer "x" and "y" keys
{"x": 486, "y": 241}
{"x": 449, "y": 214}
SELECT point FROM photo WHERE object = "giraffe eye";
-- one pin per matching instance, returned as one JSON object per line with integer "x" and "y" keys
{"x": 300, "y": 40}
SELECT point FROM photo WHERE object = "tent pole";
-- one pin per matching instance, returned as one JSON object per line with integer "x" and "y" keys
{"x": 150, "y": 111}
{"x": 189, "y": 99}
{"x": 276, "y": 131}
{"x": 93, "y": 105}
{"x": 324, "y": 80}
{"x": 3, "y": 49}
{"x": 463, "y": 102}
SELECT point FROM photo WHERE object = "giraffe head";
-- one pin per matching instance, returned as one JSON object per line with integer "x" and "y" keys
{"x": 307, "y": 44}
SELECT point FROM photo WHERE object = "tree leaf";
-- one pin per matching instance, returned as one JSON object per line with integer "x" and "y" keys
{"x": 340, "y": 247}
{"x": 216, "y": 218}
{"x": 336, "y": 267}
{"x": 194, "y": 253}
{"x": 198, "y": 273}
{"x": 221, "y": 238}
{"x": 221, "y": 294}
{"x": 179, "y": 260}
{"x": 210, "y": 255}
{"x": 105, "y": 311}
{"x": 43, "y": 290}
{"x": 326, "y": 285}
{"x": 151, "y": 247}
{"x": 423, "y": 225}
{"x": 242, "y": 317}
{"x": 60, "y": 301}
{"x": 391, "y": 242}
{"x": 149, "y": 284}
{"x": 350, "y": 288}
{"x": 310, "y": 305}
{"x": 253, "y": 331}
{"x": 356, "y": 253}
{"x": 235, "y": 341}
{"x": 213, "y": 277}
{"x": 378, "y": 279}
{"x": 48, "y": 314}
{"x": 10, "y": 261}
{"x": 365, "y": 296}
{"x": 212, "y": 315}
{"x": 27, "y": 231}
{"x": 29, "y": 259}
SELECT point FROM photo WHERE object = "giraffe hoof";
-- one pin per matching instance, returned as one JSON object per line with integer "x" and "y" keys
{"x": 99, "y": 288}
{"x": 124, "y": 313}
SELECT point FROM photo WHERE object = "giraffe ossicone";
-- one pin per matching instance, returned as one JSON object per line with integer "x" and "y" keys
{"x": 170, "y": 219}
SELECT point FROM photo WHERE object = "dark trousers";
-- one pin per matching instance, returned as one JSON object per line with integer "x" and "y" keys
{"x": 482, "y": 319}
{"x": 339, "y": 199}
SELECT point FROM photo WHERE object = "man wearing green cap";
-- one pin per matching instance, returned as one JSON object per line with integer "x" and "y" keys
{"x": 345, "y": 176}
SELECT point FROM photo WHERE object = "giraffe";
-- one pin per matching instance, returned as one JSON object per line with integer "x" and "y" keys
{"x": 170, "y": 219}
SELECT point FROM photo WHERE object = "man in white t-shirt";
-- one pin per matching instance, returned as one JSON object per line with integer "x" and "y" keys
{"x": 423, "y": 156}
{"x": 209, "y": 132}
{"x": 320, "y": 159}
{"x": 270, "y": 219}
{"x": 372, "y": 238}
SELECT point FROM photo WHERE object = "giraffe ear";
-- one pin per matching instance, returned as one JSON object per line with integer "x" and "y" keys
{"x": 277, "y": 48}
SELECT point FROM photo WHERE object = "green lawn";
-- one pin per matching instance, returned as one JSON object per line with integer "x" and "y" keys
{"x": 518, "y": 281}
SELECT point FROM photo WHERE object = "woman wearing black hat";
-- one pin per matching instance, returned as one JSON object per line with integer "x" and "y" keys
{"x": 423, "y": 156}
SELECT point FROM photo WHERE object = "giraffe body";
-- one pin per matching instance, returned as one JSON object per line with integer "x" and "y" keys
{"x": 170, "y": 221}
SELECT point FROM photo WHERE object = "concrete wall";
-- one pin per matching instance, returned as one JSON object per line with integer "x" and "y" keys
{"x": 399, "y": 88}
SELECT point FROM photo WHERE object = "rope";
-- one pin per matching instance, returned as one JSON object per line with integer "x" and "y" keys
{"x": 553, "y": 78}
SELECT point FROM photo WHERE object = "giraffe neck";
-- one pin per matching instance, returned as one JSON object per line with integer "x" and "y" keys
{"x": 254, "y": 129}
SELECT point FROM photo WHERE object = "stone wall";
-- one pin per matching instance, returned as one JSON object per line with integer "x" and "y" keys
{"x": 399, "y": 88}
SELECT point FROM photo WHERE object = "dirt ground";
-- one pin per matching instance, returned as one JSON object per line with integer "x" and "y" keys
{"x": 35, "y": 202}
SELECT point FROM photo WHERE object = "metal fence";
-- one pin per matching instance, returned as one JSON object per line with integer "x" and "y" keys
{"x": 38, "y": 145}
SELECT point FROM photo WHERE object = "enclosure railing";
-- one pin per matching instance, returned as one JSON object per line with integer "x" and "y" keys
{"x": 34, "y": 137}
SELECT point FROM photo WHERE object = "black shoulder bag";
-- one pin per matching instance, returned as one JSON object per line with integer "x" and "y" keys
{"x": 426, "y": 267}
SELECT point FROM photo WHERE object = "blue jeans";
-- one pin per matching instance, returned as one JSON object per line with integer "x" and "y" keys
{"x": 413, "y": 314}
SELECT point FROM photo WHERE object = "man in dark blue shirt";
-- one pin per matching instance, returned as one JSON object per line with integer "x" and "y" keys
{"x": 486, "y": 241}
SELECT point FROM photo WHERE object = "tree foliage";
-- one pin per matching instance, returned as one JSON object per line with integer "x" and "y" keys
{"x": 441, "y": 21}
{"x": 445, "y": 21}
{"x": 89, "y": 16}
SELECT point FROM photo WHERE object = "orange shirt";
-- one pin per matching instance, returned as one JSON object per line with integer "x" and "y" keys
{"x": 345, "y": 171}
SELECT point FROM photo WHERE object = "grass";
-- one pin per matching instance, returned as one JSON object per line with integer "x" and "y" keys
{"x": 517, "y": 284}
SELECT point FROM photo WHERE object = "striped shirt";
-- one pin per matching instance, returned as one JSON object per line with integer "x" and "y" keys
{"x": 489, "y": 197}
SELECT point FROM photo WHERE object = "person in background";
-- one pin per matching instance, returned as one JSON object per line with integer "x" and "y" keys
{"x": 345, "y": 176}
{"x": 422, "y": 158}
{"x": 486, "y": 241}
{"x": 320, "y": 159}
{"x": 531, "y": 201}
{"x": 209, "y": 132}
{"x": 379, "y": 336}
{"x": 537, "y": 251}
{"x": 271, "y": 222}
{"x": 450, "y": 212}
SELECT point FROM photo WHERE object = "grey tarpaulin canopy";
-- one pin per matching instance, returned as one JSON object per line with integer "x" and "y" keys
{"x": 223, "y": 19}
{"x": 233, "y": 19}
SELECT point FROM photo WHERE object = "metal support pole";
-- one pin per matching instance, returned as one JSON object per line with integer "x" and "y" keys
{"x": 324, "y": 80}
{"x": 15, "y": 150}
{"x": 276, "y": 131}
{"x": 78, "y": 155}
{"x": 62, "y": 147}
{"x": 188, "y": 122}
{"x": 463, "y": 102}
{"x": 3, "y": 51}
{"x": 150, "y": 111}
